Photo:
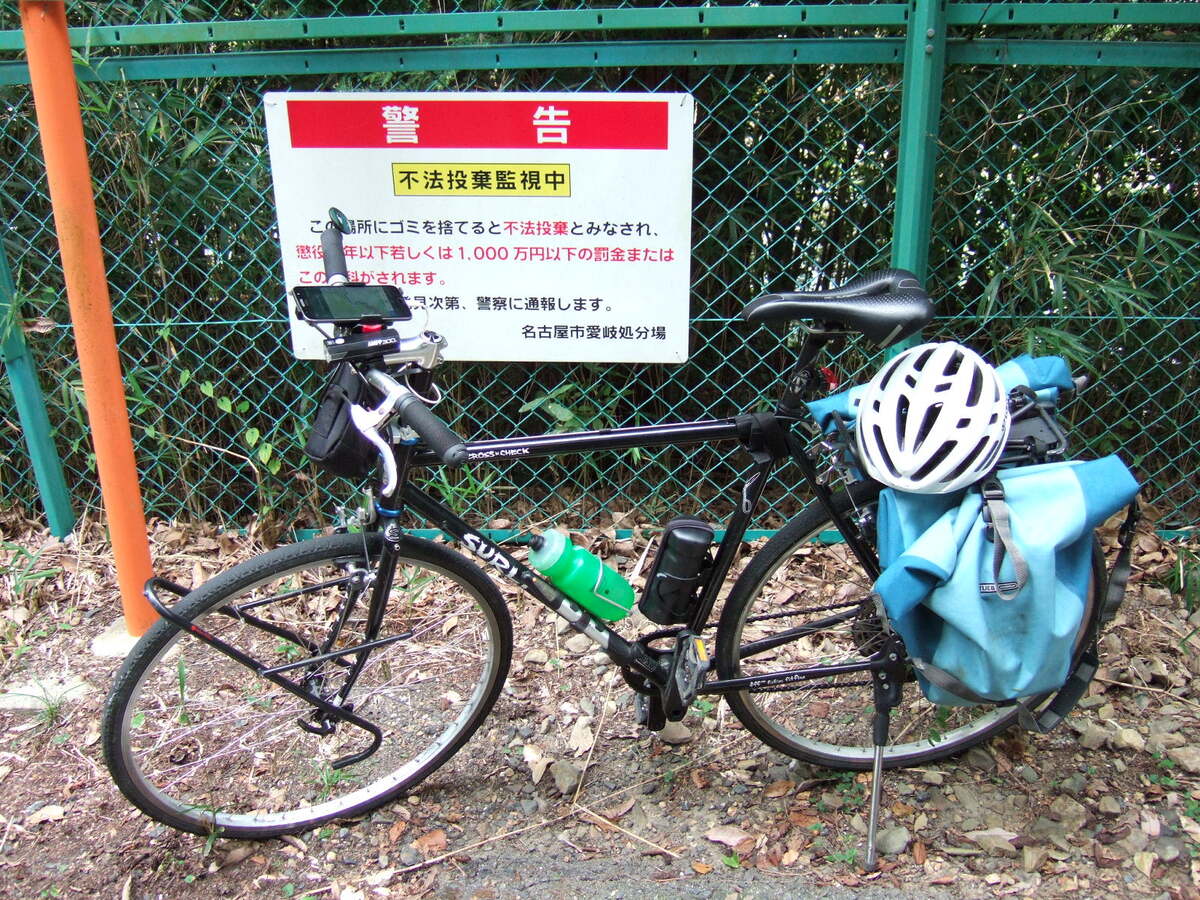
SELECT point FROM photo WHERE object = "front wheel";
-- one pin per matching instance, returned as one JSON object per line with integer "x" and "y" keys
{"x": 807, "y": 578}
{"x": 203, "y": 744}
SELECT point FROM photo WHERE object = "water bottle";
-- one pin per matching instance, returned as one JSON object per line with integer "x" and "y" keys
{"x": 581, "y": 576}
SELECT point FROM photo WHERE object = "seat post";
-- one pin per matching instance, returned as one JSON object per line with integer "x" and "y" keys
{"x": 803, "y": 373}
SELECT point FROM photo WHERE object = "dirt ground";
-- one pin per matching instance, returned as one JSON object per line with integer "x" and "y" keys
{"x": 1106, "y": 805}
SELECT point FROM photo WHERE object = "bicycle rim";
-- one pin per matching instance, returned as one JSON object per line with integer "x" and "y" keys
{"x": 200, "y": 742}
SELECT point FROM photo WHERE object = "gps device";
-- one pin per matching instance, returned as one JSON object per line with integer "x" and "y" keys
{"x": 348, "y": 304}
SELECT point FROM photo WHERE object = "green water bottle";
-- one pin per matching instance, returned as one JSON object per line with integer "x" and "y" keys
{"x": 581, "y": 576}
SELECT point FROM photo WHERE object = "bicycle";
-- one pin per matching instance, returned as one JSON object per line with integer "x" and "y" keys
{"x": 321, "y": 680}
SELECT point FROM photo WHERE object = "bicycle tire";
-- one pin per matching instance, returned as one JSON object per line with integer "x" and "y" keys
{"x": 205, "y": 745}
{"x": 821, "y": 723}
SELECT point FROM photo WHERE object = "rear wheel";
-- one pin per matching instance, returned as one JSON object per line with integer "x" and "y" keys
{"x": 807, "y": 576}
{"x": 202, "y": 743}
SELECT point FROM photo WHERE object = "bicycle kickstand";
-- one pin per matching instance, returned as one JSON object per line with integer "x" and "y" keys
{"x": 886, "y": 682}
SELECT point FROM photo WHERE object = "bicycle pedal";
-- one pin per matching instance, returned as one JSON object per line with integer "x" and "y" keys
{"x": 689, "y": 663}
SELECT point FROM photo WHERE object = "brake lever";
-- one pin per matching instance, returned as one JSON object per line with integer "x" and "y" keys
{"x": 370, "y": 421}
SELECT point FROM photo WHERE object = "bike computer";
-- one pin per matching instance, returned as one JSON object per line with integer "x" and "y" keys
{"x": 348, "y": 304}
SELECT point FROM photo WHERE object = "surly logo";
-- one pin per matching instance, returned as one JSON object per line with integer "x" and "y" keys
{"x": 489, "y": 553}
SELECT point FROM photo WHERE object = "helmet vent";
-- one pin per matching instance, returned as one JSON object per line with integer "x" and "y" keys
{"x": 927, "y": 423}
{"x": 882, "y": 450}
{"x": 934, "y": 461}
{"x": 976, "y": 388}
{"x": 901, "y": 418}
{"x": 888, "y": 371}
{"x": 970, "y": 459}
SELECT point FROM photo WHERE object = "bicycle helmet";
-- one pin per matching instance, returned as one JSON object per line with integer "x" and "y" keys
{"x": 934, "y": 419}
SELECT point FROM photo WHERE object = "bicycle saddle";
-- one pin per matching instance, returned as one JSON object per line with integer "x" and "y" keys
{"x": 885, "y": 306}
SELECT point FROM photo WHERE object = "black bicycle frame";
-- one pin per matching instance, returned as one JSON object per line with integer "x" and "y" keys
{"x": 633, "y": 654}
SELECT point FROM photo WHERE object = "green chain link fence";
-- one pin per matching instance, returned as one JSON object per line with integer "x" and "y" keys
{"x": 1063, "y": 220}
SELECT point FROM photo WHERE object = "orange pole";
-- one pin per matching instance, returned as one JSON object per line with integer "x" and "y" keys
{"x": 60, "y": 123}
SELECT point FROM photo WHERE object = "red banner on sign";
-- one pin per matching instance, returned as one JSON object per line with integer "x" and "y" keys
{"x": 468, "y": 124}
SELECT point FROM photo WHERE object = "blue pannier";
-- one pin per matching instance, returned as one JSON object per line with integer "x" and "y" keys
{"x": 978, "y": 624}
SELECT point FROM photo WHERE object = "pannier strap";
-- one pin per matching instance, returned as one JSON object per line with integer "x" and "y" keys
{"x": 1122, "y": 565}
{"x": 1064, "y": 700}
{"x": 947, "y": 682}
{"x": 999, "y": 531}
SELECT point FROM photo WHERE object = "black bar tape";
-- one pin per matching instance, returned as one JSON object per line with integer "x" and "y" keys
{"x": 450, "y": 448}
{"x": 335, "y": 256}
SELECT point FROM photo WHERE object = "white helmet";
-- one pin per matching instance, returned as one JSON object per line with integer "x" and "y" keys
{"x": 934, "y": 419}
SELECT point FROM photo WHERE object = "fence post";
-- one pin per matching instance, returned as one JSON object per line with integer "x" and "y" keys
{"x": 920, "y": 111}
{"x": 31, "y": 410}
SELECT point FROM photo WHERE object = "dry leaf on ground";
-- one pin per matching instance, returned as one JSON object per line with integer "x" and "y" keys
{"x": 729, "y": 835}
{"x": 581, "y": 739}
{"x": 50, "y": 813}
{"x": 432, "y": 842}
{"x": 778, "y": 788}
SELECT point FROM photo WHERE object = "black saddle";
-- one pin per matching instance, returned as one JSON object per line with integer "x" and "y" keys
{"x": 885, "y": 306}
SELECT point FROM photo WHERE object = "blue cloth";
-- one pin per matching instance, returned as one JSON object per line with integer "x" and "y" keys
{"x": 938, "y": 586}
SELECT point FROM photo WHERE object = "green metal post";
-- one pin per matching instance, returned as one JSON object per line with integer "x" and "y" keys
{"x": 31, "y": 410}
{"x": 921, "y": 106}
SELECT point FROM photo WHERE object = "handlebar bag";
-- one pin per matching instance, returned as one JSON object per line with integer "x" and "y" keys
{"x": 334, "y": 443}
{"x": 983, "y": 624}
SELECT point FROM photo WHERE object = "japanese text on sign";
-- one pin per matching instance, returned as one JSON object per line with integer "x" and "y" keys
{"x": 481, "y": 180}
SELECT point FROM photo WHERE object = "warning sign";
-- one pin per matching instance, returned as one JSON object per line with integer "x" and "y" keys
{"x": 532, "y": 227}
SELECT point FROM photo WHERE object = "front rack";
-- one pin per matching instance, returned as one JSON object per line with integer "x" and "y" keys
{"x": 325, "y": 711}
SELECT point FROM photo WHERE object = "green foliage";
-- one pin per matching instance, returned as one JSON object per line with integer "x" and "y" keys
{"x": 702, "y": 707}
{"x": 328, "y": 778}
{"x": 1063, "y": 223}
{"x": 848, "y": 857}
{"x": 461, "y": 487}
{"x": 941, "y": 720}
{"x": 853, "y": 792}
{"x": 181, "y": 713}
{"x": 23, "y": 573}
